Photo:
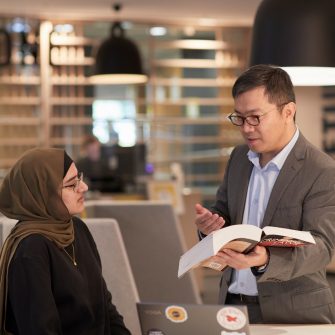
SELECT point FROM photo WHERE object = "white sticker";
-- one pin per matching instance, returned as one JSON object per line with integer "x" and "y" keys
{"x": 231, "y": 318}
{"x": 176, "y": 313}
{"x": 215, "y": 266}
{"x": 155, "y": 332}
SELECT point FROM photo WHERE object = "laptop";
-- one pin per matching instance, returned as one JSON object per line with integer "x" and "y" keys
{"x": 187, "y": 319}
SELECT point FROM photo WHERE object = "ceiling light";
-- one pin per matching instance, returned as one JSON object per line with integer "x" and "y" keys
{"x": 118, "y": 60}
{"x": 298, "y": 36}
{"x": 158, "y": 31}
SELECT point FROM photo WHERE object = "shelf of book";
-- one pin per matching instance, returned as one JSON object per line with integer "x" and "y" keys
{"x": 180, "y": 113}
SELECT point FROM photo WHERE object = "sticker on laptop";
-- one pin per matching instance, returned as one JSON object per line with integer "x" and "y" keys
{"x": 231, "y": 318}
{"x": 176, "y": 313}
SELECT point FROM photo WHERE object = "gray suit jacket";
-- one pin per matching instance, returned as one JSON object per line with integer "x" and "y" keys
{"x": 294, "y": 288}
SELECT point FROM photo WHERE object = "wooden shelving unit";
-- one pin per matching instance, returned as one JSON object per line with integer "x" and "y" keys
{"x": 191, "y": 80}
{"x": 328, "y": 120}
{"x": 20, "y": 102}
{"x": 180, "y": 113}
{"x": 71, "y": 95}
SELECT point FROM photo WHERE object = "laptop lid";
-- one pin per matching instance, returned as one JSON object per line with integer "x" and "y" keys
{"x": 183, "y": 319}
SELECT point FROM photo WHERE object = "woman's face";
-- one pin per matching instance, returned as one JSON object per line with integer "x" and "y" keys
{"x": 73, "y": 191}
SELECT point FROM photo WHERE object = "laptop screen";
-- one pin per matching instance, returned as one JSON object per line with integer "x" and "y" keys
{"x": 184, "y": 319}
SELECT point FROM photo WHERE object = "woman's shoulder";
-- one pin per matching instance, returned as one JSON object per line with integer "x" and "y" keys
{"x": 34, "y": 245}
{"x": 35, "y": 240}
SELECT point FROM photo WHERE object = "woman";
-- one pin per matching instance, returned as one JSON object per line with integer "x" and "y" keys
{"x": 50, "y": 275}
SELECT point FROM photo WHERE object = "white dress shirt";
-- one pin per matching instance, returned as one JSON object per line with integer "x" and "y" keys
{"x": 259, "y": 191}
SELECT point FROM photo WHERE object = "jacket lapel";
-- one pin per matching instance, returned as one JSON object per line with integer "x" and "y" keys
{"x": 244, "y": 178}
{"x": 289, "y": 170}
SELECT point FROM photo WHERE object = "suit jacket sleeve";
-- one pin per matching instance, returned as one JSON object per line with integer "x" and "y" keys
{"x": 317, "y": 215}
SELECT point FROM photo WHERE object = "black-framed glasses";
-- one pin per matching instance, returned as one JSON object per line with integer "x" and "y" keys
{"x": 252, "y": 120}
{"x": 76, "y": 183}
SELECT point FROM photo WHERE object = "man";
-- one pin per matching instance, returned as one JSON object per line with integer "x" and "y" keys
{"x": 98, "y": 169}
{"x": 278, "y": 178}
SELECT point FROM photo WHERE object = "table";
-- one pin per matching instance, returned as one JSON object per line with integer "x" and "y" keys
{"x": 292, "y": 329}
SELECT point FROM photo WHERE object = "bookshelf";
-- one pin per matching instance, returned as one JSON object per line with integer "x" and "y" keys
{"x": 20, "y": 97}
{"x": 180, "y": 113}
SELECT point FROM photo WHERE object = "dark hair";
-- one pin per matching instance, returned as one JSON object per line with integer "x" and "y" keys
{"x": 67, "y": 163}
{"x": 276, "y": 82}
{"x": 88, "y": 140}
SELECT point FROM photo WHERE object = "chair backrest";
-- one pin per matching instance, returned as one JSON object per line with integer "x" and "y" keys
{"x": 115, "y": 265}
{"x": 116, "y": 269}
{"x": 154, "y": 243}
{"x": 6, "y": 226}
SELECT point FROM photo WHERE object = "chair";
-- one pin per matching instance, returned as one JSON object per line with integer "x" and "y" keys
{"x": 116, "y": 269}
{"x": 154, "y": 243}
{"x": 6, "y": 226}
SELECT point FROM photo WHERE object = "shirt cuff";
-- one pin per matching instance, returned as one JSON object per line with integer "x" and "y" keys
{"x": 201, "y": 235}
{"x": 258, "y": 270}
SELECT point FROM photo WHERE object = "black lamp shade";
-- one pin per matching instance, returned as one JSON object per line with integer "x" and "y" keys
{"x": 294, "y": 33}
{"x": 118, "y": 60}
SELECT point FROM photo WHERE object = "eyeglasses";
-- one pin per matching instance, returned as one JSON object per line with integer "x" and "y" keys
{"x": 252, "y": 120}
{"x": 76, "y": 184}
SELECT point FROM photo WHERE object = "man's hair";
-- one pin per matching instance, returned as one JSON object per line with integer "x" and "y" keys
{"x": 276, "y": 82}
{"x": 89, "y": 139}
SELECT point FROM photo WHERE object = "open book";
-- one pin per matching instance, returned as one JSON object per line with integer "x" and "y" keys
{"x": 240, "y": 238}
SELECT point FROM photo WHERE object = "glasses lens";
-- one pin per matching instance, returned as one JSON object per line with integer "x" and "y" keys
{"x": 236, "y": 120}
{"x": 78, "y": 180}
{"x": 253, "y": 120}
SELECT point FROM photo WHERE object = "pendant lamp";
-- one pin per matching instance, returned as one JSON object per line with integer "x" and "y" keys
{"x": 298, "y": 36}
{"x": 118, "y": 60}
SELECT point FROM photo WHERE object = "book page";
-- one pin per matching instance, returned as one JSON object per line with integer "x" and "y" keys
{"x": 284, "y": 237}
{"x": 194, "y": 256}
{"x": 239, "y": 232}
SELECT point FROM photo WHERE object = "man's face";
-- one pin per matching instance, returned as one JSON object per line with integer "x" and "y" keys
{"x": 93, "y": 151}
{"x": 276, "y": 124}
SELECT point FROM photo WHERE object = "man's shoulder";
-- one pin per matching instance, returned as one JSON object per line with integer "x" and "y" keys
{"x": 307, "y": 152}
{"x": 317, "y": 157}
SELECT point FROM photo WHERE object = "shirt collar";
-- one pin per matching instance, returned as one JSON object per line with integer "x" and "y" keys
{"x": 279, "y": 160}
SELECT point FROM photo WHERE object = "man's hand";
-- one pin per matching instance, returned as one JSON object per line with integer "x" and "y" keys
{"x": 206, "y": 221}
{"x": 238, "y": 261}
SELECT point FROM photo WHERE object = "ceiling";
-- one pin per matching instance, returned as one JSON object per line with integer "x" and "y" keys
{"x": 210, "y": 12}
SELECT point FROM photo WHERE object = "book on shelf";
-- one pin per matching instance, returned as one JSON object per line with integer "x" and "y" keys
{"x": 241, "y": 238}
